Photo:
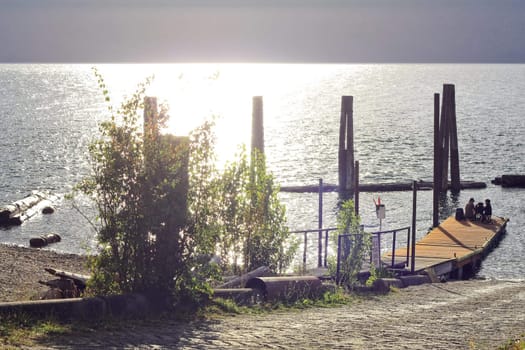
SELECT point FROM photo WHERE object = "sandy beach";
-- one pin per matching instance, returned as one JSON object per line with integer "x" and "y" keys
{"x": 22, "y": 268}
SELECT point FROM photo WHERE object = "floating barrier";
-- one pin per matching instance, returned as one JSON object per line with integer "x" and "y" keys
{"x": 510, "y": 181}
{"x": 382, "y": 187}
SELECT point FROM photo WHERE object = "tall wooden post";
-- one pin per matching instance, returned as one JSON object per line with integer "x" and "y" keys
{"x": 320, "y": 235}
{"x": 150, "y": 116}
{"x": 454, "y": 150}
{"x": 449, "y": 139}
{"x": 445, "y": 139}
{"x": 437, "y": 164}
{"x": 257, "y": 125}
{"x": 413, "y": 243}
{"x": 356, "y": 187}
{"x": 346, "y": 145}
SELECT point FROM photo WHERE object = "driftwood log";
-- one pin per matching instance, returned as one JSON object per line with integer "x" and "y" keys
{"x": 42, "y": 241}
{"x": 19, "y": 211}
{"x": 240, "y": 281}
{"x": 61, "y": 288}
{"x": 79, "y": 279}
{"x": 68, "y": 285}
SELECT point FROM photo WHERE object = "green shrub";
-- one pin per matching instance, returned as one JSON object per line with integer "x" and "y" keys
{"x": 355, "y": 248}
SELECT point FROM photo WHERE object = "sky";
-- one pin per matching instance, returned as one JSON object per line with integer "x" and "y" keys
{"x": 281, "y": 31}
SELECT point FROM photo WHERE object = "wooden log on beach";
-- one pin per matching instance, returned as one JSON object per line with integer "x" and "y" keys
{"x": 79, "y": 279}
{"x": 241, "y": 280}
{"x": 60, "y": 289}
{"x": 19, "y": 211}
{"x": 42, "y": 241}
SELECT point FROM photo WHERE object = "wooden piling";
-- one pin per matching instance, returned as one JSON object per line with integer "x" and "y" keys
{"x": 437, "y": 164}
{"x": 454, "y": 151}
{"x": 356, "y": 188}
{"x": 444, "y": 139}
{"x": 449, "y": 139}
{"x": 257, "y": 124}
{"x": 320, "y": 235}
{"x": 414, "y": 207}
{"x": 346, "y": 145}
{"x": 150, "y": 117}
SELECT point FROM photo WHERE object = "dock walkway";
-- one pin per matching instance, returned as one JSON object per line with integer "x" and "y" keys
{"x": 454, "y": 247}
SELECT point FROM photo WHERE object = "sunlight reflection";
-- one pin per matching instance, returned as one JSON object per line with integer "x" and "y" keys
{"x": 196, "y": 92}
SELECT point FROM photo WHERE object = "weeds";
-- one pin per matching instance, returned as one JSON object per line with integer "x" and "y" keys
{"x": 514, "y": 344}
{"x": 22, "y": 329}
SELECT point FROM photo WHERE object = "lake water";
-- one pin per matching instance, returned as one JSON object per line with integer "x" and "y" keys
{"x": 50, "y": 113}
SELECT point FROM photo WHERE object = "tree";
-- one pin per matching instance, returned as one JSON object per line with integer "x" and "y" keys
{"x": 267, "y": 240}
{"x": 139, "y": 185}
{"x": 240, "y": 211}
{"x": 232, "y": 187}
{"x": 164, "y": 208}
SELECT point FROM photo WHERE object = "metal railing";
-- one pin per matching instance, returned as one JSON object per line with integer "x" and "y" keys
{"x": 322, "y": 248}
{"x": 394, "y": 241}
{"x": 322, "y": 234}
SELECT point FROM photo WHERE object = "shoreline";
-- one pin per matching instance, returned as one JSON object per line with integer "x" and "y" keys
{"x": 23, "y": 267}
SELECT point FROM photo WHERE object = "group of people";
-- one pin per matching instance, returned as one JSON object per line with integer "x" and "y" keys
{"x": 478, "y": 212}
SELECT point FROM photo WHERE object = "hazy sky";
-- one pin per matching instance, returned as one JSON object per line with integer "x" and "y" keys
{"x": 262, "y": 31}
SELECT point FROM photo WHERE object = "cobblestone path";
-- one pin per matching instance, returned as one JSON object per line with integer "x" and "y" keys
{"x": 454, "y": 315}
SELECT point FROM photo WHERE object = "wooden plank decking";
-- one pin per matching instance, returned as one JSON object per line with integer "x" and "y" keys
{"x": 452, "y": 245}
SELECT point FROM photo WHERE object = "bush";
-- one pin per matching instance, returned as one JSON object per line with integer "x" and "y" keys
{"x": 355, "y": 248}
{"x": 164, "y": 209}
{"x": 139, "y": 185}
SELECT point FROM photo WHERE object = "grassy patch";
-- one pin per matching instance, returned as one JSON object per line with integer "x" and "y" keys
{"x": 22, "y": 329}
{"x": 514, "y": 344}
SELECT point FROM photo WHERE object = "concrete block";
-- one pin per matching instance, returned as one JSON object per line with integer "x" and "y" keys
{"x": 382, "y": 285}
{"x": 414, "y": 280}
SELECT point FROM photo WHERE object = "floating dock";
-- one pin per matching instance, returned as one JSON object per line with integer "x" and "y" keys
{"x": 455, "y": 248}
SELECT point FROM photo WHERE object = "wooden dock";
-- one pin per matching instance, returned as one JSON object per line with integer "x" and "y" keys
{"x": 454, "y": 248}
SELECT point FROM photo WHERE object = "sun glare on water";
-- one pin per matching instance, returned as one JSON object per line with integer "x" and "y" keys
{"x": 198, "y": 92}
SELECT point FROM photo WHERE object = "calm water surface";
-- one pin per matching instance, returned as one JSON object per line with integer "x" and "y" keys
{"x": 50, "y": 113}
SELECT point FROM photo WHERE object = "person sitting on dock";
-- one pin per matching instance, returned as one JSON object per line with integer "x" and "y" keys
{"x": 470, "y": 212}
{"x": 479, "y": 211}
{"x": 487, "y": 212}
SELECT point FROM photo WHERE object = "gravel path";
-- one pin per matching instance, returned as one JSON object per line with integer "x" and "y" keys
{"x": 454, "y": 315}
{"x": 471, "y": 314}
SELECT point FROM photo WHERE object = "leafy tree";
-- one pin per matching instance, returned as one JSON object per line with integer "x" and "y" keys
{"x": 267, "y": 241}
{"x": 203, "y": 191}
{"x": 236, "y": 212}
{"x": 165, "y": 209}
{"x": 232, "y": 186}
{"x": 139, "y": 185}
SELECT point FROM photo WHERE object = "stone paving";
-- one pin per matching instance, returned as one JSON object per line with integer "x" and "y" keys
{"x": 454, "y": 315}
